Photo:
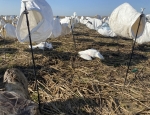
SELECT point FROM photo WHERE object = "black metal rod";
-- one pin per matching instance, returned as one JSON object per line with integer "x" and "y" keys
{"x": 36, "y": 83}
{"x": 133, "y": 45}
{"x": 72, "y": 34}
{"x": 4, "y": 42}
{"x": 118, "y": 43}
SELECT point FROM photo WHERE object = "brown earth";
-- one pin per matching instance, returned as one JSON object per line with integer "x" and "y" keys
{"x": 69, "y": 85}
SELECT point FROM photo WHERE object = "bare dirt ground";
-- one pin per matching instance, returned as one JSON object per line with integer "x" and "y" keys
{"x": 69, "y": 85}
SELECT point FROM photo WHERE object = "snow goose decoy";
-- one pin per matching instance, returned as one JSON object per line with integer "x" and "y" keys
{"x": 42, "y": 45}
{"x": 89, "y": 54}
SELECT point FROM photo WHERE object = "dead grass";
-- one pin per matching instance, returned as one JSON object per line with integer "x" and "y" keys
{"x": 70, "y": 85}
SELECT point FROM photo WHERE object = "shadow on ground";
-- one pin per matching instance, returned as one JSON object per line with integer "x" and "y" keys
{"x": 74, "y": 106}
{"x": 143, "y": 47}
{"x": 109, "y": 44}
{"x": 8, "y": 50}
{"x": 6, "y": 41}
{"x": 84, "y": 40}
{"x": 117, "y": 58}
{"x": 64, "y": 56}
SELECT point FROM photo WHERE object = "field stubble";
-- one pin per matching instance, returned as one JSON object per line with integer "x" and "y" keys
{"x": 69, "y": 85}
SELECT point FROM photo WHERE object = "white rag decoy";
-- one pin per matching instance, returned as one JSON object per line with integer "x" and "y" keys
{"x": 2, "y": 23}
{"x": 89, "y": 54}
{"x": 85, "y": 56}
{"x": 8, "y": 30}
{"x": 42, "y": 45}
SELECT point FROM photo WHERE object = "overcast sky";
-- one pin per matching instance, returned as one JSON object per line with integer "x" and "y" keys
{"x": 82, "y": 7}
